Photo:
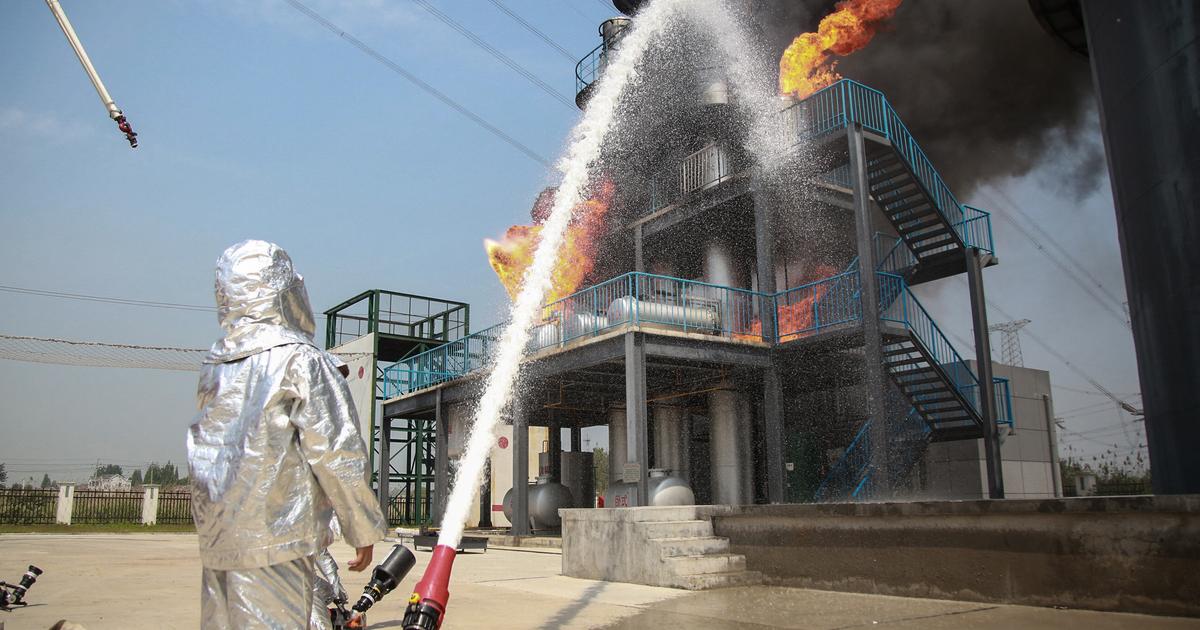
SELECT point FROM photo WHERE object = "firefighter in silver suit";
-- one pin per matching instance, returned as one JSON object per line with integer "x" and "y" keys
{"x": 273, "y": 452}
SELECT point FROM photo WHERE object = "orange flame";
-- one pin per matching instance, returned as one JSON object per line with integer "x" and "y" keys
{"x": 513, "y": 253}
{"x": 794, "y": 320}
{"x": 808, "y": 64}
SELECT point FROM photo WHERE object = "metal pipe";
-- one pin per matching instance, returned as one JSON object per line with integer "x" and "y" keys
{"x": 114, "y": 112}
{"x": 1052, "y": 433}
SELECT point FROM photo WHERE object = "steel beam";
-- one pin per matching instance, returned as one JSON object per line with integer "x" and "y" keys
{"x": 554, "y": 448}
{"x": 773, "y": 434}
{"x": 441, "y": 459}
{"x": 983, "y": 367}
{"x": 874, "y": 380}
{"x": 669, "y": 347}
{"x": 637, "y": 433}
{"x": 384, "y": 464}
{"x": 520, "y": 476}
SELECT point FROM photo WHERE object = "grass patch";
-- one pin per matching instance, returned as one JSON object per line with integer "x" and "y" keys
{"x": 97, "y": 528}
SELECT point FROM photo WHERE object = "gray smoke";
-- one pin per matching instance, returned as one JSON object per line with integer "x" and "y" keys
{"x": 983, "y": 88}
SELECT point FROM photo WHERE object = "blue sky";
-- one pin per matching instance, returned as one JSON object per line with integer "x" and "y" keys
{"x": 256, "y": 122}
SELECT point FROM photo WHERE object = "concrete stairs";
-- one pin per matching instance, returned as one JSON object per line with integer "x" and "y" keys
{"x": 693, "y": 558}
{"x": 659, "y": 546}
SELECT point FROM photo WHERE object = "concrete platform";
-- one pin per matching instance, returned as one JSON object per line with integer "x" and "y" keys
{"x": 1127, "y": 554}
{"x": 120, "y": 581}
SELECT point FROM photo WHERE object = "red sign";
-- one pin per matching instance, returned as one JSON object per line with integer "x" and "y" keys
{"x": 503, "y": 442}
{"x": 361, "y": 371}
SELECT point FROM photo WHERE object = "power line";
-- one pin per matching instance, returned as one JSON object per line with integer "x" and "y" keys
{"x": 106, "y": 299}
{"x": 1066, "y": 253}
{"x": 501, "y": 57}
{"x": 533, "y": 29}
{"x": 411, "y": 78}
{"x": 1053, "y": 258}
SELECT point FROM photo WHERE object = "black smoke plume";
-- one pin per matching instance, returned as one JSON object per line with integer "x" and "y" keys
{"x": 983, "y": 88}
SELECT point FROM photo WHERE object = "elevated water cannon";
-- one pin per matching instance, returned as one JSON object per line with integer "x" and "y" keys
{"x": 427, "y": 605}
{"x": 114, "y": 112}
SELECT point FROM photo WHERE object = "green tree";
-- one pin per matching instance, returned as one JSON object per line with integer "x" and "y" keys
{"x": 600, "y": 466}
{"x": 108, "y": 469}
{"x": 3, "y": 474}
{"x": 136, "y": 478}
{"x": 46, "y": 483}
{"x": 165, "y": 475}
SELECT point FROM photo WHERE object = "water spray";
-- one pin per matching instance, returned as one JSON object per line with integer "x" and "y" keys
{"x": 427, "y": 606}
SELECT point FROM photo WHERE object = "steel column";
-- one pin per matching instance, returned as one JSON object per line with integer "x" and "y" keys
{"x": 576, "y": 439}
{"x": 384, "y": 471}
{"x": 554, "y": 449}
{"x": 520, "y": 476}
{"x": 983, "y": 368}
{"x": 441, "y": 463}
{"x": 636, "y": 412}
{"x": 875, "y": 381}
{"x": 639, "y": 259}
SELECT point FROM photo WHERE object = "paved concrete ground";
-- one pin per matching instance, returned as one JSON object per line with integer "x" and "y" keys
{"x": 150, "y": 581}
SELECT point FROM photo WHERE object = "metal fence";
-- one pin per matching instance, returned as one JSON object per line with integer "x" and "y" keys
{"x": 34, "y": 506}
{"x": 175, "y": 508}
{"x": 105, "y": 506}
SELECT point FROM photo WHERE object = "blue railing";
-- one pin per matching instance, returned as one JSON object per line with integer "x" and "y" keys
{"x": 903, "y": 308}
{"x": 848, "y": 472}
{"x": 848, "y": 101}
{"x": 644, "y": 299}
{"x": 588, "y": 68}
{"x": 1003, "y": 394}
{"x": 443, "y": 363}
{"x": 806, "y": 309}
{"x": 850, "y": 477}
{"x": 689, "y": 306}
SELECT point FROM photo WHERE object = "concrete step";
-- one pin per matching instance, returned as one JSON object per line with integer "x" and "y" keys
{"x": 675, "y": 529}
{"x": 671, "y": 547}
{"x": 706, "y": 581}
{"x": 668, "y": 513}
{"x": 712, "y": 563}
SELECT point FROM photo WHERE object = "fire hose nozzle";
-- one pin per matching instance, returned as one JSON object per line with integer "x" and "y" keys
{"x": 127, "y": 129}
{"x": 427, "y": 605}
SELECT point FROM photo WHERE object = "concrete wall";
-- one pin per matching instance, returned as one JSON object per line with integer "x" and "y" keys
{"x": 1139, "y": 554}
{"x": 958, "y": 471}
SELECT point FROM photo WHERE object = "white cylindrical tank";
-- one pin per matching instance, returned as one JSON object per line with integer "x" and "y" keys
{"x": 616, "y": 445}
{"x": 667, "y": 489}
{"x": 701, "y": 315}
{"x": 668, "y": 437}
{"x": 545, "y": 499}
{"x": 726, "y": 455}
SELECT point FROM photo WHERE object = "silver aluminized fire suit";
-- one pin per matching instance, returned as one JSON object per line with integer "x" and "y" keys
{"x": 273, "y": 451}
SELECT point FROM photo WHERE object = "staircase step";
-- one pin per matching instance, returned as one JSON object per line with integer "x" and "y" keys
{"x": 892, "y": 364}
{"x": 708, "y": 563}
{"x": 915, "y": 224}
{"x": 672, "y": 547}
{"x": 719, "y": 580}
{"x": 676, "y": 529}
{"x": 882, "y": 191}
{"x": 919, "y": 381}
{"x": 948, "y": 239}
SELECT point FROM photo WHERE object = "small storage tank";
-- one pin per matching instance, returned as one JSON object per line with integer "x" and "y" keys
{"x": 545, "y": 499}
{"x": 667, "y": 489}
{"x": 664, "y": 488}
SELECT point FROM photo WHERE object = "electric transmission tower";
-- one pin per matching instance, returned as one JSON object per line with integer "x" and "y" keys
{"x": 1010, "y": 342}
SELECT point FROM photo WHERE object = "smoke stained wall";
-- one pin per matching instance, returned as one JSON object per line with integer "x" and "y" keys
{"x": 979, "y": 83}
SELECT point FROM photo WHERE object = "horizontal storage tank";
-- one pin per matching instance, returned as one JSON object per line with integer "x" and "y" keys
{"x": 701, "y": 316}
